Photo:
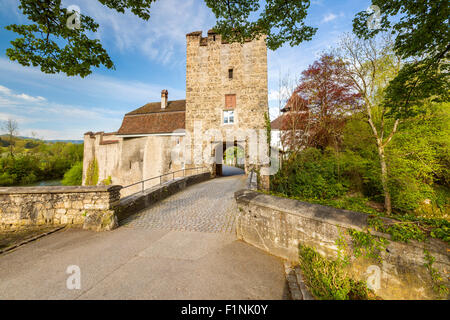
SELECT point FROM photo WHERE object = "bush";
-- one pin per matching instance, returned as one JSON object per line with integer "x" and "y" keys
{"x": 418, "y": 159}
{"x": 327, "y": 279}
{"x": 74, "y": 176}
{"x": 311, "y": 174}
{"x": 6, "y": 179}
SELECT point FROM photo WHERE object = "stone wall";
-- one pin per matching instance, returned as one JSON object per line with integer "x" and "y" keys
{"x": 129, "y": 160}
{"x": 89, "y": 207}
{"x": 279, "y": 225}
{"x": 207, "y": 82}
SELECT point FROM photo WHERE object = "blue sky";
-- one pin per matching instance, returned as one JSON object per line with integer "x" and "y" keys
{"x": 149, "y": 56}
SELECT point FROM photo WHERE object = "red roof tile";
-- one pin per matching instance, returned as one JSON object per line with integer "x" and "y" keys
{"x": 277, "y": 123}
{"x": 177, "y": 105}
{"x": 157, "y": 122}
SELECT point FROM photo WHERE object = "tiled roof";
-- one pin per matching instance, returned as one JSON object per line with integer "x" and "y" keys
{"x": 156, "y": 122}
{"x": 177, "y": 105}
{"x": 277, "y": 123}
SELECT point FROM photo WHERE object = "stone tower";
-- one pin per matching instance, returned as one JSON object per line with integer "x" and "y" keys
{"x": 226, "y": 88}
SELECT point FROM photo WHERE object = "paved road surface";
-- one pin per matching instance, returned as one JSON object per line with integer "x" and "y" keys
{"x": 165, "y": 252}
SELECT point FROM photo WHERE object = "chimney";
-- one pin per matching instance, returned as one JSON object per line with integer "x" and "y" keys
{"x": 164, "y": 96}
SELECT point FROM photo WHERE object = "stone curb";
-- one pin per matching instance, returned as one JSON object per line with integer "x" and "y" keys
{"x": 296, "y": 285}
{"x": 291, "y": 279}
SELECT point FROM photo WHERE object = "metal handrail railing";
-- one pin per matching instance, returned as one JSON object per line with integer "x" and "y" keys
{"x": 160, "y": 178}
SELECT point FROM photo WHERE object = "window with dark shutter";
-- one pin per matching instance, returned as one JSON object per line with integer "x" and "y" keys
{"x": 230, "y": 101}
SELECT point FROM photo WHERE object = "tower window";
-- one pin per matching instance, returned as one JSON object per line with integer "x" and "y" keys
{"x": 230, "y": 73}
{"x": 228, "y": 116}
{"x": 230, "y": 101}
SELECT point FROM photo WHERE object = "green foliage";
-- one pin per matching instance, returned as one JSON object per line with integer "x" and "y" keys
{"x": 423, "y": 28}
{"x": 268, "y": 129}
{"x": 311, "y": 175}
{"x": 367, "y": 245}
{"x": 50, "y": 44}
{"x": 327, "y": 279}
{"x": 342, "y": 249}
{"x": 92, "y": 173}
{"x": 234, "y": 155}
{"x": 35, "y": 160}
{"x": 439, "y": 285}
{"x": 107, "y": 181}
{"x": 74, "y": 176}
{"x": 282, "y": 21}
{"x": 418, "y": 159}
{"x": 422, "y": 36}
{"x": 409, "y": 227}
{"x": 47, "y": 42}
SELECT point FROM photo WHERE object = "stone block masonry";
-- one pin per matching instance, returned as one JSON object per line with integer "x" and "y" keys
{"x": 91, "y": 208}
{"x": 215, "y": 71}
{"x": 278, "y": 225}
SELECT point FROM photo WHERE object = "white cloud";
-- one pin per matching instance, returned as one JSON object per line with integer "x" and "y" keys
{"x": 162, "y": 38}
{"x": 130, "y": 93}
{"x": 329, "y": 17}
{"x": 317, "y": 2}
{"x": 23, "y": 96}
{"x": 53, "y": 120}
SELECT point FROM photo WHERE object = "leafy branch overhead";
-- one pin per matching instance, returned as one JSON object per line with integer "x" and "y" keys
{"x": 281, "y": 20}
{"x": 47, "y": 42}
{"x": 422, "y": 40}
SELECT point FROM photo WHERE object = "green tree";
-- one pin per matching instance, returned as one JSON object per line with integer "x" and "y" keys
{"x": 422, "y": 39}
{"x": 58, "y": 40}
{"x": 74, "y": 176}
{"x": 11, "y": 127}
{"x": 371, "y": 64}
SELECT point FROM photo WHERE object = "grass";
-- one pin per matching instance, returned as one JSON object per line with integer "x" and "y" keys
{"x": 328, "y": 280}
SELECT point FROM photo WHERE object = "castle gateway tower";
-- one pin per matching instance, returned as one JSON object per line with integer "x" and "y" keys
{"x": 226, "y": 94}
{"x": 226, "y": 99}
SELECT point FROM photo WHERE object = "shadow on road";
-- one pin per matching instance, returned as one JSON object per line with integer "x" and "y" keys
{"x": 228, "y": 171}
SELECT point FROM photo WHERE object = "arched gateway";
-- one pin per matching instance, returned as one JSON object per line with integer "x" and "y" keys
{"x": 226, "y": 99}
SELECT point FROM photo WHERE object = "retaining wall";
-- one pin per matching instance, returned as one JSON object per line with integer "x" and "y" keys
{"x": 278, "y": 225}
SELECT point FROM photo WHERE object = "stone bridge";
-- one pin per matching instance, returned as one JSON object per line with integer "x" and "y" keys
{"x": 182, "y": 247}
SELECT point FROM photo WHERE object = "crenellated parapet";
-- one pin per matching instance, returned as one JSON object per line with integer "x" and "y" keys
{"x": 196, "y": 39}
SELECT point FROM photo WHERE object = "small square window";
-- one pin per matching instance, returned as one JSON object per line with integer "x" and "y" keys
{"x": 230, "y": 73}
{"x": 228, "y": 116}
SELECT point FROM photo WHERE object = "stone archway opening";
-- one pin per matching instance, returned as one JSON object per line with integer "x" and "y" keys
{"x": 229, "y": 159}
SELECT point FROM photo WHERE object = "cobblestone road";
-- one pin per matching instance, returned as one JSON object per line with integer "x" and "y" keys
{"x": 165, "y": 263}
{"x": 205, "y": 207}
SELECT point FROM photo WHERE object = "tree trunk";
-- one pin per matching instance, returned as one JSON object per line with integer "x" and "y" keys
{"x": 384, "y": 176}
{"x": 11, "y": 146}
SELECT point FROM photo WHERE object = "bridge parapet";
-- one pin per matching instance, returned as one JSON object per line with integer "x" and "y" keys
{"x": 139, "y": 201}
{"x": 91, "y": 207}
